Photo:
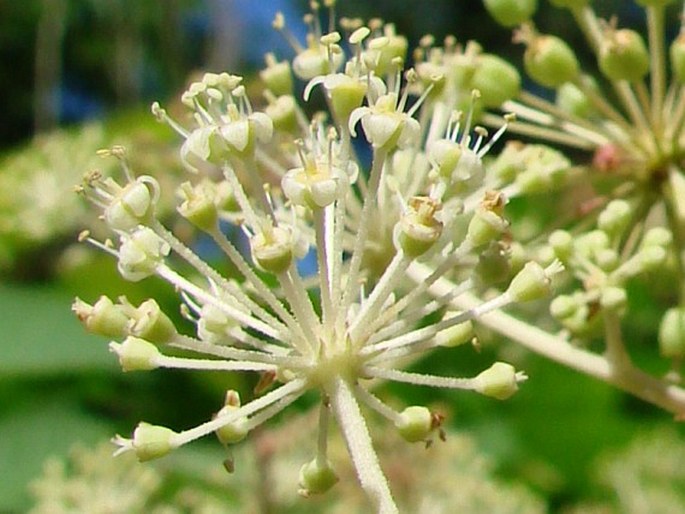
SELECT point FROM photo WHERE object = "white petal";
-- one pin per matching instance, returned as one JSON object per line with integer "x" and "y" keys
{"x": 311, "y": 85}
{"x": 264, "y": 126}
{"x": 355, "y": 116}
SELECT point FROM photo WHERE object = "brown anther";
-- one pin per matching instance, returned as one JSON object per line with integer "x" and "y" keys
{"x": 494, "y": 201}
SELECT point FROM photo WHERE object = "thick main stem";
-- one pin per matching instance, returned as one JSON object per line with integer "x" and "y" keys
{"x": 358, "y": 441}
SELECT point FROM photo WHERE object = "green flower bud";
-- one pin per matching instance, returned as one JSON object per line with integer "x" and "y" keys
{"x": 533, "y": 282}
{"x": 607, "y": 259}
{"x": 563, "y": 306}
{"x": 510, "y": 13}
{"x": 236, "y": 430}
{"x": 415, "y": 423}
{"x": 677, "y": 53}
{"x": 283, "y": 113}
{"x": 152, "y": 441}
{"x": 104, "y": 318}
{"x": 382, "y": 51}
{"x": 651, "y": 258}
{"x": 549, "y": 61}
{"x": 136, "y": 354}
{"x": 455, "y": 335}
{"x": 151, "y": 324}
{"x": 562, "y": 244}
{"x": 496, "y": 79}
{"x": 572, "y": 100}
{"x": 672, "y": 333}
{"x": 613, "y": 298}
{"x": 493, "y": 265}
{"x": 485, "y": 226}
{"x": 277, "y": 76}
{"x": 587, "y": 245}
{"x": 657, "y": 236}
{"x": 499, "y": 381}
{"x": 623, "y": 55}
{"x": 614, "y": 218}
{"x": 316, "y": 478}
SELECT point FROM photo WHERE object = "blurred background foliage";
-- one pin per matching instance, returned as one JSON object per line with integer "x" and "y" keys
{"x": 79, "y": 75}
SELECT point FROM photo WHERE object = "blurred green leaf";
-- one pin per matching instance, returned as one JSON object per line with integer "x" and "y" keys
{"x": 30, "y": 435}
{"x": 42, "y": 336}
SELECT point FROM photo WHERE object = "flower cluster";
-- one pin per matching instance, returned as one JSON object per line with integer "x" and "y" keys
{"x": 629, "y": 123}
{"x": 423, "y": 207}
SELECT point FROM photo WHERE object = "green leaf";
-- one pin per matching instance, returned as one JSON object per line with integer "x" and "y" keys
{"x": 42, "y": 336}
{"x": 30, "y": 435}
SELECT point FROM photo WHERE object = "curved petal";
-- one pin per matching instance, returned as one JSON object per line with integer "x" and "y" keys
{"x": 311, "y": 85}
{"x": 357, "y": 115}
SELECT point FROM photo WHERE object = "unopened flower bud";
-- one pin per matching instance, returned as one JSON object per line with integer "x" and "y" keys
{"x": 614, "y": 218}
{"x": 587, "y": 245}
{"x": 283, "y": 113}
{"x": 317, "y": 60}
{"x": 104, "y": 318}
{"x": 277, "y": 76}
{"x": 510, "y": 13}
{"x": 485, "y": 226}
{"x": 563, "y": 306}
{"x": 572, "y": 100}
{"x": 657, "y": 236}
{"x": 677, "y": 53}
{"x": 623, "y": 55}
{"x": 383, "y": 51}
{"x": 672, "y": 333}
{"x": 136, "y": 354}
{"x": 152, "y": 441}
{"x": 607, "y": 259}
{"x": 499, "y": 381}
{"x": 455, "y": 335}
{"x": 496, "y": 79}
{"x": 316, "y": 478}
{"x": 613, "y": 298}
{"x": 533, "y": 282}
{"x": 651, "y": 257}
{"x": 493, "y": 265}
{"x": 236, "y": 430}
{"x": 415, "y": 423}
{"x": 561, "y": 243}
{"x": 550, "y": 61}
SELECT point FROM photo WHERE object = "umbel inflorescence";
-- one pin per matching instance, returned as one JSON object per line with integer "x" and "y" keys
{"x": 415, "y": 232}
{"x": 295, "y": 186}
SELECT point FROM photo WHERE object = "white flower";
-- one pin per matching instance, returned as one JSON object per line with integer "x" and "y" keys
{"x": 384, "y": 125}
